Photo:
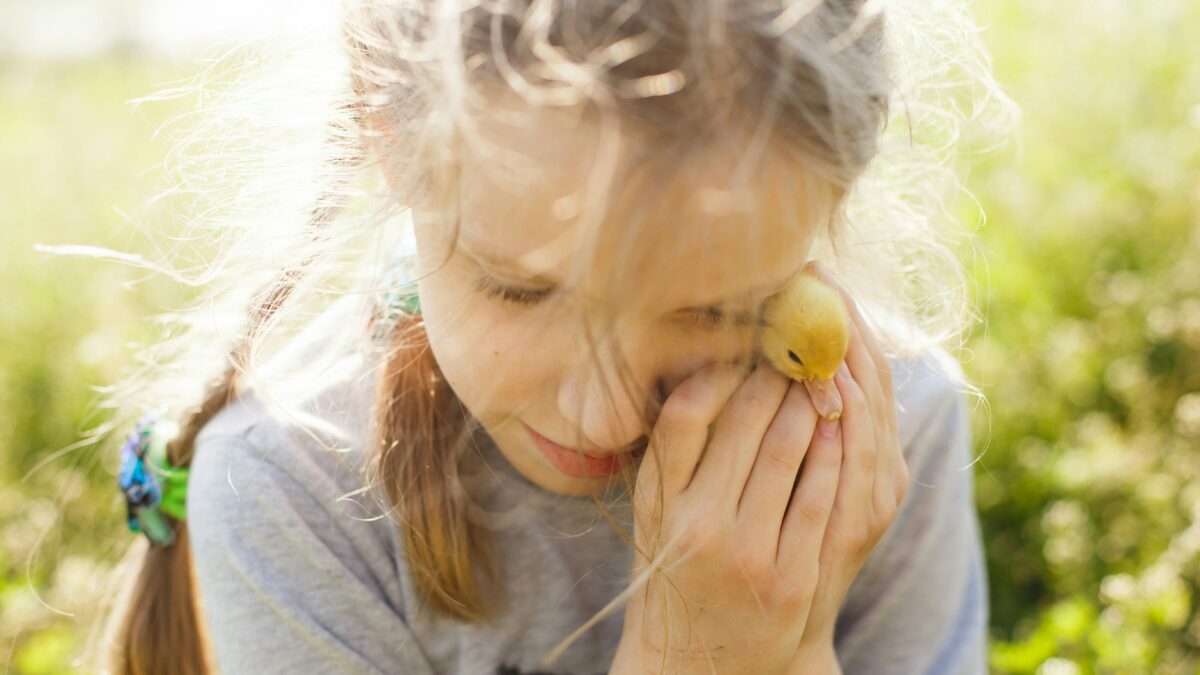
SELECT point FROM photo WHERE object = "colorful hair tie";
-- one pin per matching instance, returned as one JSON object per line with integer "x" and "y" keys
{"x": 400, "y": 302}
{"x": 400, "y": 281}
{"x": 400, "y": 296}
{"x": 152, "y": 487}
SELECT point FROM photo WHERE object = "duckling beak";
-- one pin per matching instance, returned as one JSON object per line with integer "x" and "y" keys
{"x": 825, "y": 397}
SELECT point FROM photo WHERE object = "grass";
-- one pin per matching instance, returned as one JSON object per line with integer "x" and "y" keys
{"x": 1089, "y": 275}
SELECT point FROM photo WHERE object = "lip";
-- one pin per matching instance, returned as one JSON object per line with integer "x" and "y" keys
{"x": 568, "y": 460}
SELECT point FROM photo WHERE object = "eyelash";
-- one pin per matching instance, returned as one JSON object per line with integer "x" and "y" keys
{"x": 493, "y": 289}
{"x": 710, "y": 317}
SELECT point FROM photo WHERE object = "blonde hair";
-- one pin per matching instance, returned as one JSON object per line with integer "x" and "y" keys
{"x": 874, "y": 97}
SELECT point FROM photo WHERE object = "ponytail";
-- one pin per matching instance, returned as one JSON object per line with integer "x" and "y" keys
{"x": 421, "y": 424}
{"x": 157, "y": 628}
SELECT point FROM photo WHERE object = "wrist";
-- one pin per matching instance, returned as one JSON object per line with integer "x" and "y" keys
{"x": 633, "y": 657}
{"x": 625, "y": 661}
{"x": 816, "y": 657}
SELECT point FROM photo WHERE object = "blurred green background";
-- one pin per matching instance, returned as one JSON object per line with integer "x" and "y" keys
{"x": 1088, "y": 271}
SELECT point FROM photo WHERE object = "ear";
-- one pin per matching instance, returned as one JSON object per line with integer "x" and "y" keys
{"x": 378, "y": 140}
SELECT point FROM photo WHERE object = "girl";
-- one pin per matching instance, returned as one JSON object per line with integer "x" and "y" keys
{"x": 540, "y": 438}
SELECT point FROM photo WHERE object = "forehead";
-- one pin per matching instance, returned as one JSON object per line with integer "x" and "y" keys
{"x": 579, "y": 209}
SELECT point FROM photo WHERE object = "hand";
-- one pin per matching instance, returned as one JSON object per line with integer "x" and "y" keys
{"x": 873, "y": 480}
{"x": 735, "y": 538}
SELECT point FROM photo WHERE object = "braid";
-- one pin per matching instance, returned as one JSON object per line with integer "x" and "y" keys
{"x": 181, "y": 449}
{"x": 158, "y": 627}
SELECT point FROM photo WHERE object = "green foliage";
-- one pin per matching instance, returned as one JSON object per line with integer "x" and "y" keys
{"x": 1089, "y": 485}
{"x": 1088, "y": 272}
{"x": 73, "y": 155}
{"x": 47, "y": 652}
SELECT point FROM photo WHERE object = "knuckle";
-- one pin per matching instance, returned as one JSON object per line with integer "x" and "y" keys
{"x": 880, "y": 410}
{"x": 695, "y": 538}
{"x": 866, "y": 458}
{"x": 885, "y": 513}
{"x": 878, "y": 527}
{"x": 779, "y": 456}
{"x": 682, "y": 412}
{"x": 892, "y": 411}
{"x": 685, "y": 405}
{"x": 828, "y": 458}
{"x": 855, "y": 398}
{"x": 848, "y": 546}
{"x": 752, "y": 564}
{"x": 867, "y": 537}
{"x": 740, "y": 417}
{"x": 885, "y": 372}
{"x": 903, "y": 480}
{"x": 813, "y": 512}
{"x": 793, "y": 424}
{"x": 694, "y": 396}
{"x": 799, "y": 588}
{"x": 752, "y": 400}
{"x": 869, "y": 367}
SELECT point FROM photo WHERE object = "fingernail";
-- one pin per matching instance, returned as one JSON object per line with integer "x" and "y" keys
{"x": 828, "y": 428}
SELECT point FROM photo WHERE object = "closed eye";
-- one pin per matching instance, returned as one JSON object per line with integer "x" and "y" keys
{"x": 519, "y": 295}
{"x": 792, "y": 356}
{"x": 707, "y": 317}
{"x": 715, "y": 316}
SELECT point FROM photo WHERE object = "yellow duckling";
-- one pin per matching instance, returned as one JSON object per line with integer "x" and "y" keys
{"x": 805, "y": 336}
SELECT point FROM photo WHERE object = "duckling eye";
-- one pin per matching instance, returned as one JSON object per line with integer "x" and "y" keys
{"x": 792, "y": 356}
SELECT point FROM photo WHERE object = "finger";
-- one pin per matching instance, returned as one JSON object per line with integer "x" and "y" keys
{"x": 881, "y": 405}
{"x": 738, "y": 435}
{"x": 880, "y": 489}
{"x": 681, "y": 432}
{"x": 765, "y": 499}
{"x": 881, "y": 400}
{"x": 862, "y": 367}
{"x": 888, "y": 459}
{"x": 857, "y": 484}
{"x": 888, "y": 454}
{"x": 889, "y": 395}
{"x": 807, "y": 516}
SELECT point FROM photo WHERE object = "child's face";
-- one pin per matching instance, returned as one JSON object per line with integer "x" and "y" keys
{"x": 503, "y": 316}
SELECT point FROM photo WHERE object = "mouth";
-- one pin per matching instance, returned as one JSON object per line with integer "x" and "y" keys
{"x": 581, "y": 464}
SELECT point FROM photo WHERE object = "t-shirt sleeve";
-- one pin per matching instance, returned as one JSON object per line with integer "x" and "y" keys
{"x": 291, "y": 578}
{"x": 920, "y": 603}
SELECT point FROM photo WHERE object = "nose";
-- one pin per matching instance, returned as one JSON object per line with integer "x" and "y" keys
{"x": 611, "y": 410}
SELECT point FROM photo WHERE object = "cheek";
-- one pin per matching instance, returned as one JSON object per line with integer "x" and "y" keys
{"x": 498, "y": 356}
{"x": 491, "y": 355}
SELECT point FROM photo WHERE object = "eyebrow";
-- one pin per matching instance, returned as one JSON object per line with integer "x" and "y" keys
{"x": 498, "y": 259}
{"x": 493, "y": 258}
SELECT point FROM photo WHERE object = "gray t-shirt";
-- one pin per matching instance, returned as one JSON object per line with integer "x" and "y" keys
{"x": 300, "y": 571}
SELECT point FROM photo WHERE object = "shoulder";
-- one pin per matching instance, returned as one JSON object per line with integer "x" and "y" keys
{"x": 296, "y": 559}
{"x": 249, "y": 440}
{"x": 316, "y": 444}
{"x": 256, "y": 471}
{"x": 280, "y": 502}
{"x": 931, "y": 392}
{"x": 305, "y": 421}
